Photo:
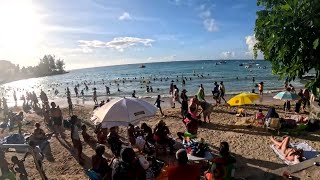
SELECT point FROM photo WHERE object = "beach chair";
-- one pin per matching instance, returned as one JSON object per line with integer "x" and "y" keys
{"x": 273, "y": 124}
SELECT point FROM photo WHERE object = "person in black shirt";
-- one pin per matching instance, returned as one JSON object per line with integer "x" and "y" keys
{"x": 158, "y": 104}
{"x": 184, "y": 103}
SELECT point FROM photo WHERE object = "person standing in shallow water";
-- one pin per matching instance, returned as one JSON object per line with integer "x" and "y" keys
{"x": 201, "y": 95}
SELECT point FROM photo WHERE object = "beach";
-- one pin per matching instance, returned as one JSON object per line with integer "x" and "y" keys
{"x": 250, "y": 146}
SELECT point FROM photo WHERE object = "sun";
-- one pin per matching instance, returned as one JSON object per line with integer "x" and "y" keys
{"x": 21, "y": 29}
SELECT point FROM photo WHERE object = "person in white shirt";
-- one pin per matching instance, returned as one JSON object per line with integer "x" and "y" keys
{"x": 75, "y": 137}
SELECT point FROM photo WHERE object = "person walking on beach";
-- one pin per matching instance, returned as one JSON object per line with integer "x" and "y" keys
{"x": 95, "y": 100}
{"x": 175, "y": 96}
{"x": 216, "y": 93}
{"x": 260, "y": 87}
{"x": 56, "y": 117}
{"x": 158, "y": 104}
{"x": 75, "y": 137}
{"x": 200, "y": 94}
{"x": 222, "y": 90}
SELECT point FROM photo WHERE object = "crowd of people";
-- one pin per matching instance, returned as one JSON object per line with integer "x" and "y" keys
{"x": 128, "y": 164}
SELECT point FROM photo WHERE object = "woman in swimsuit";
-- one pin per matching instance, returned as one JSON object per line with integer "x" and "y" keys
{"x": 290, "y": 154}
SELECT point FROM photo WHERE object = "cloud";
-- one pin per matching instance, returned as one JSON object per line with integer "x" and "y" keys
{"x": 206, "y": 15}
{"x": 118, "y": 43}
{"x": 250, "y": 41}
{"x": 172, "y": 57}
{"x": 228, "y": 54}
{"x": 211, "y": 25}
{"x": 125, "y": 16}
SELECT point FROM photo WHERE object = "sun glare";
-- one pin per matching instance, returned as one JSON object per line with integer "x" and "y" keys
{"x": 20, "y": 30}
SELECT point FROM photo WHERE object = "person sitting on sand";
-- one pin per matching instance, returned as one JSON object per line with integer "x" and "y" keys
{"x": 222, "y": 166}
{"x": 260, "y": 117}
{"x": 102, "y": 134}
{"x": 290, "y": 154}
{"x": 100, "y": 164}
{"x": 183, "y": 170}
{"x": 114, "y": 141}
{"x": 272, "y": 113}
{"x": 147, "y": 133}
{"x": 131, "y": 134}
{"x": 128, "y": 167}
{"x": 86, "y": 137}
{"x": 207, "y": 109}
{"x": 38, "y": 134}
{"x": 161, "y": 132}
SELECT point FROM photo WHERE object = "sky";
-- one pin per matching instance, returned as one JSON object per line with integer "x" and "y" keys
{"x": 90, "y": 33}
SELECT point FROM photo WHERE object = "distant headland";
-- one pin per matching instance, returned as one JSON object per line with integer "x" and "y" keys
{"x": 49, "y": 65}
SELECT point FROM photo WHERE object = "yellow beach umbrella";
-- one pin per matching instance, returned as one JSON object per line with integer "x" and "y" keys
{"x": 243, "y": 98}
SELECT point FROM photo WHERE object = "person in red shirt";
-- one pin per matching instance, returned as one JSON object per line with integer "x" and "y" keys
{"x": 183, "y": 170}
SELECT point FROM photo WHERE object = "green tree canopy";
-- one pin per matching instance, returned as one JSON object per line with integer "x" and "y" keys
{"x": 288, "y": 33}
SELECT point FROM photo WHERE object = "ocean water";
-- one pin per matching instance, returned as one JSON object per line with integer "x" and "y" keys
{"x": 236, "y": 79}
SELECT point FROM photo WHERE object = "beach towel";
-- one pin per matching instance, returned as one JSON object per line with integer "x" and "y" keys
{"x": 308, "y": 151}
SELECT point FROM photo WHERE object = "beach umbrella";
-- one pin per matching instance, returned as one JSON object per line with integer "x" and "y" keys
{"x": 243, "y": 98}
{"x": 286, "y": 96}
{"x": 122, "y": 111}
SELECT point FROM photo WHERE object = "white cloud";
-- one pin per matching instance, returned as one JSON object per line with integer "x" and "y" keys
{"x": 125, "y": 16}
{"x": 250, "y": 41}
{"x": 149, "y": 58}
{"x": 228, "y": 54}
{"x": 208, "y": 21}
{"x": 118, "y": 43}
{"x": 211, "y": 25}
{"x": 172, "y": 57}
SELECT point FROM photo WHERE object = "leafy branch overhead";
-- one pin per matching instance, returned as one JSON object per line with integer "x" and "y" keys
{"x": 288, "y": 33}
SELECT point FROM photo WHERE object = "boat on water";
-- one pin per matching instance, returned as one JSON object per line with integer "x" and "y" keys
{"x": 248, "y": 66}
{"x": 142, "y": 66}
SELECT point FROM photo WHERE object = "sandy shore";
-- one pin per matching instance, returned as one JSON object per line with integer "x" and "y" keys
{"x": 250, "y": 146}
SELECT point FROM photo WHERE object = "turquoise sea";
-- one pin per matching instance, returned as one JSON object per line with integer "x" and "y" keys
{"x": 130, "y": 77}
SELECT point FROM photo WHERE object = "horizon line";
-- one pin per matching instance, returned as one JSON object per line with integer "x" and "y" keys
{"x": 166, "y": 62}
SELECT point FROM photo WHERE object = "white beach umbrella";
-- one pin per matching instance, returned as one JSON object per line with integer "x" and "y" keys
{"x": 287, "y": 96}
{"x": 121, "y": 112}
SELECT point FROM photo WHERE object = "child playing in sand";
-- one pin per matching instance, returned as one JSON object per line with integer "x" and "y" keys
{"x": 260, "y": 117}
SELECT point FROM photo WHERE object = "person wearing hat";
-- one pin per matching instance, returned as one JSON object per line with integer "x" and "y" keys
{"x": 184, "y": 103}
{"x": 183, "y": 170}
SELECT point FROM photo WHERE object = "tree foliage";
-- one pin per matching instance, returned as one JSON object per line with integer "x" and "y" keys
{"x": 288, "y": 33}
